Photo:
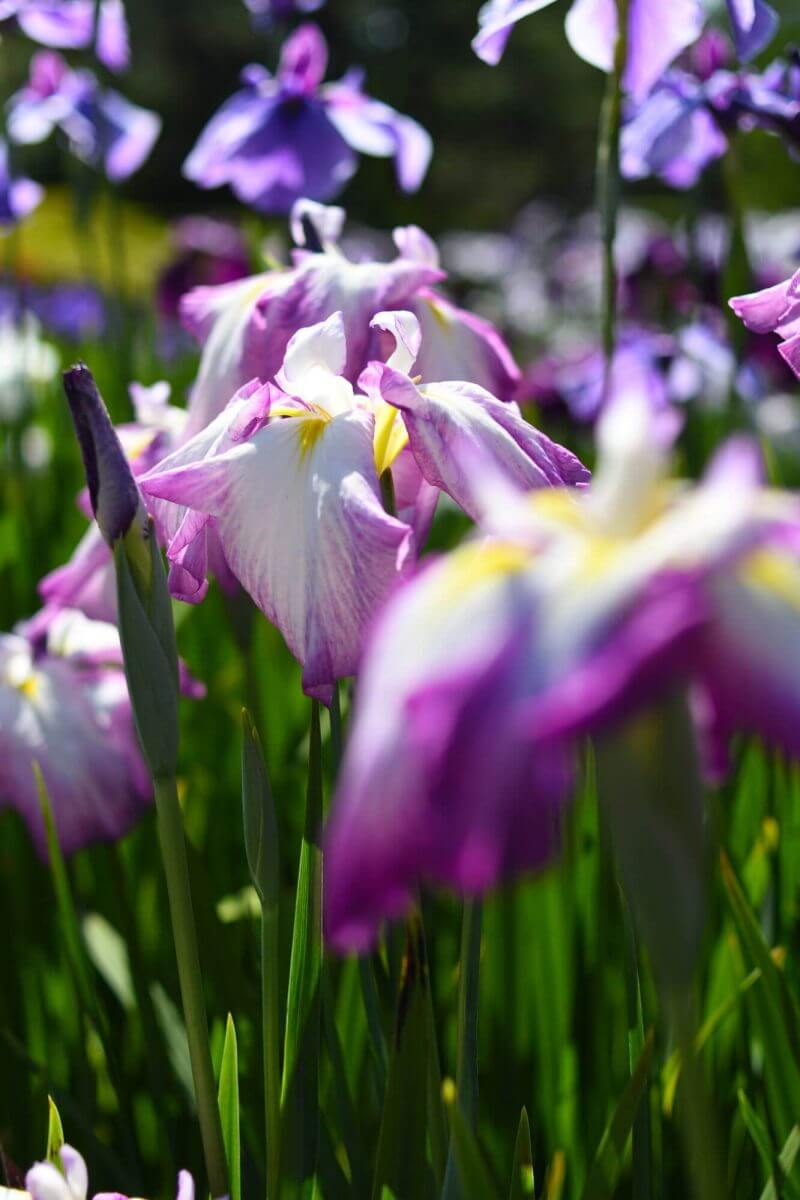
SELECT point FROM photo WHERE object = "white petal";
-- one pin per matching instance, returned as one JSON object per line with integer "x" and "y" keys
{"x": 404, "y": 328}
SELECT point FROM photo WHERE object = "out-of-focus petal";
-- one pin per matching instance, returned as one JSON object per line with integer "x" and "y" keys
{"x": 496, "y": 21}
{"x": 755, "y": 24}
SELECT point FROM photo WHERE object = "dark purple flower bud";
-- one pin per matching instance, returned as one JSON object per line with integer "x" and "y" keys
{"x": 115, "y": 497}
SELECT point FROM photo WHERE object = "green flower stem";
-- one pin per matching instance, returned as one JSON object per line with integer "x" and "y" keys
{"x": 176, "y": 867}
{"x": 608, "y": 183}
{"x": 270, "y": 1016}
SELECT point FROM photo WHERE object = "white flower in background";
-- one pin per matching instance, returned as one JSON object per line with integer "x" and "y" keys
{"x": 27, "y": 362}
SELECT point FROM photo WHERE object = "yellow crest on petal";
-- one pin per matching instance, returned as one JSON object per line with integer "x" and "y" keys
{"x": 391, "y": 436}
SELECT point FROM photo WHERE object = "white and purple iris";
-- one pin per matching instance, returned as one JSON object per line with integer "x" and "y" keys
{"x": 64, "y": 705}
{"x": 102, "y": 128}
{"x": 44, "y": 1181}
{"x": 74, "y": 25}
{"x": 245, "y": 326}
{"x": 288, "y": 478}
{"x": 575, "y": 609}
{"x": 658, "y": 30}
{"x": 284, "y": 137}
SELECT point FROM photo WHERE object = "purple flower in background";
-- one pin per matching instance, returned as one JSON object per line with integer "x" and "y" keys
{"x": 44, "y": 1181}
{"x": 658, "y": 30}
{"x": 288, "y": 478}
{"x": 209, "y": 253}
{"x": 64, "y": 705}
{"x": 71, "y": 310}
{"x": 266, "y": 12}
{"x": 103, "y": 128}
{"x": 754, "y": 23}
{"x": 74, "y": 25}
{"x": 18, "y": 197}
{"x": 775, "y": 310}
{"x": 579, "y": 609}
{"x": 674, "y": 134}
{"x": 289, "y": 136}
{"x": 245, "y": 327}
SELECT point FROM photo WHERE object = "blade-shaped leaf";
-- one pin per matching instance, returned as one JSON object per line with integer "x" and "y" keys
{"x": 55, "y": 1134}
{"x": 523, "y": 1182}
{"x": 607, "y": 1166}
{"x": 229, "y": 1108}
{"x": 474, "y": 1179}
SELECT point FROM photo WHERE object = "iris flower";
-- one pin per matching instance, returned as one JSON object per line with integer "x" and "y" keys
{"x": 102, "y": 128}
{"x": 776, "y": 310}
{"x": 74, "y": 25}
{"x": 245, "y": 327}
{"x": 658, "y": 30}
{"x": 44, "y": 1181}
{"x": 288, "y": 136}
{"x": 64, "y": 705}
{"x": 575, "y": 610}
{"x": 289, "y": 477}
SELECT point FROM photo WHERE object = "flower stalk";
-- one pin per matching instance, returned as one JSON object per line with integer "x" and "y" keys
{"x": 608, "y": 184}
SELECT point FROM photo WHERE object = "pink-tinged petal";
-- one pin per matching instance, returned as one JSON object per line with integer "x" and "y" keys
{"x": 414, "y": 244}
{"x": 73, "y": 717}
{"x": 458, "y": 345}
{"x": 186, "y": 1189}
{"x": 45, "y": 1182}
{"x": 75, "y": 1172}
{"x": 440, "y": 781}
{"x": 319, "y": 347}
{"x": 790, "y": 353}
{"x": 763, "y": 311}
{"x": 87, "y": 582}
{"x": 453, "y": 425}
{"x": 404, "y": 331}
{"x": 113, "y": 46}
{"x": 304, "y": 59}
{"x": 496, "y": 20}
{"x": 415, "y": 499}
{"x": 226, "y": 320}
{"x": 658, "y": 30}
{"x": 54, "y": 23}
{"x": 748, "y": 670}
{"x": 298, "y": 513}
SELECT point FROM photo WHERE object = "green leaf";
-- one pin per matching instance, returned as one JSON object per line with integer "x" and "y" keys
{"x": 786, "y": 1160}
{"x": 474, "y": 1178}
{"x": 344, "y": 1108}
{"x": 757, "y": 1130}
{"x": 300, "y": 1085}
{"x": 402, "y": 1163}
{"x": 467, "y": 1053}
{"x": 229, "y": 1108}
{"x": 772, "y": 1010}
{"x": 523, "y": 1182}
{"x": 55, "y": 1134}
{"x": 260, "y": 820}
{"x": 607, "y": 1166}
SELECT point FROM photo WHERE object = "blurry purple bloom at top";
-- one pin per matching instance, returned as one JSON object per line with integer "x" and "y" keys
{"x": 754, "y": 23}
{"x": 290, "y": 136}
{"x": 658, "y": 30}
{"x": 103, "y": 128}
{"x": 74, "y": 25}
{"x": 18, "y": 197}
{"x": 265, "y": 12}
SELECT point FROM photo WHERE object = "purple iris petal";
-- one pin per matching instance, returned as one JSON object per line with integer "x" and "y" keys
{"x": 673, "y": 134}
{"x": 18, "y": 197}
{"x": 278, "y": 140}
{"x": 267, "y": 11}
{"x": 755, "y": 23}
{"x": 70, "y": 25}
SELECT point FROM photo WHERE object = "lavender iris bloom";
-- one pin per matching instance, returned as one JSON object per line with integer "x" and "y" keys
{"x": 18, "y": 197}
{"x": 103, "y": 128}
{"x": 775, "y": 310}
{"x": 282, "y": 138}
{"x": 45, "y": 1181}
{"x": 74, "y": 25}
{"x": 658, "y": 30}
{"x": 577, "y": 610}
{"x": 754, "y": 24}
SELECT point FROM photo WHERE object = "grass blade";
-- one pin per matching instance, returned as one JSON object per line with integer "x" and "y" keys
{"x": 607, "y": 1166}
{"x": 55, "y": 1134}
{"x": 786, "y": 1160}
{"x": 229, "y": 1108}
{"x": 523, "y": 1182}
{"x": 473, "y": 1178}
{"x": 300, "y": 1085}
{"x": 467, "y": 1058}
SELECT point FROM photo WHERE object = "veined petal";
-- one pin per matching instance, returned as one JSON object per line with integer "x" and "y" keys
{"x": 299, "y": 516}
{"x": 404, "y": 328}
{"x": 450, "y": 425}
{"x": 456, "y": 344}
